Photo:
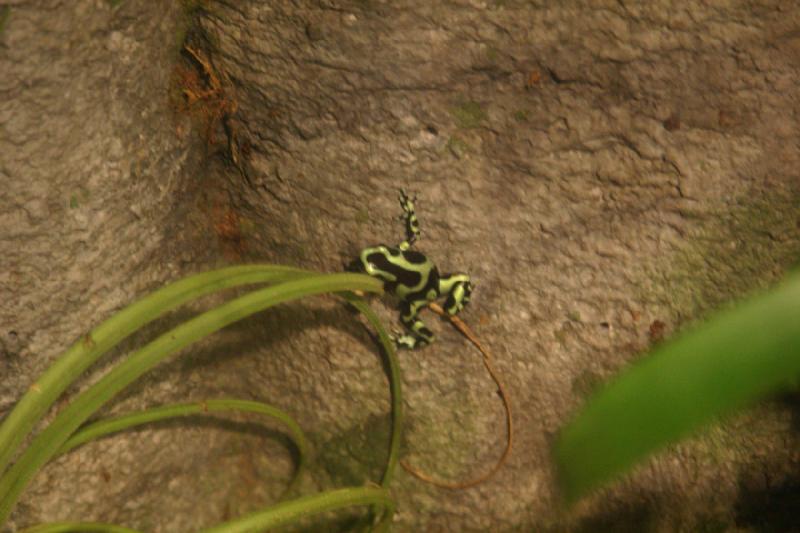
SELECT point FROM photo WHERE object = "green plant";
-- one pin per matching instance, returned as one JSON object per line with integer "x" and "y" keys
{"x": 521, "y": 115}
{"x": 65, "y": 432}
{"x": 721, "y": 366}
{"x": 5, "y": 11}
{"x": 468, "y": 114}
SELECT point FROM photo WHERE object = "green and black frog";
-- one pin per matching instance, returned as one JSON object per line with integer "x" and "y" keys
{"x": 413, "y": 278}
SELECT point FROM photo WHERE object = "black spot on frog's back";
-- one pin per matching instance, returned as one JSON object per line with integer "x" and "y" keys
{"x": 380, "y": 261}
{"x": 409, "y": 278}
{"x": 415, "y": 257}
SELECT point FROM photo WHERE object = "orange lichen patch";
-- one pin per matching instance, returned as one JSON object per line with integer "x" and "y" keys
{"x": 205, "y": 93}
{"x": 673, "y": 122}
{"x": 533, "y": 80}
{"x": 227, "y": 226}
{"x": 726, "y": 118}
{"x": 656, "y": 331}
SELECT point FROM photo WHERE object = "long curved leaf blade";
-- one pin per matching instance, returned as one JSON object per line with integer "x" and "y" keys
{"x": 47, "y": 443}
{"x": 69, "y": 366}
{"x": 722, "y": 365}
{"x": 291, "y": 511}
{"x": 109, "y": 426}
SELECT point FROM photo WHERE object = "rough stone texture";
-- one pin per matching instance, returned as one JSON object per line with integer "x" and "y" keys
{"x": 607, "y": 173}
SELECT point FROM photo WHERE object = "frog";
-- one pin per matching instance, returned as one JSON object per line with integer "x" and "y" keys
{"x": 413, "y": 278}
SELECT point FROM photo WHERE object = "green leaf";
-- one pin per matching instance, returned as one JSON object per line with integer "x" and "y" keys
{"x": 109, "y": 426}
{"x": 722, "y": 365}
{"x": 395, "y": 385}
{"x": 291, "y": 511}
{"x": 83, "y": 527}
{"x": 47, "y": 443}
{"x": 5, "y": 11}
{"x": 43, "y": 393}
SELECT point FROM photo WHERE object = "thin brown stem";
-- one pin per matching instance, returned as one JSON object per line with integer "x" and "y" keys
{"x": 487, "y": 361}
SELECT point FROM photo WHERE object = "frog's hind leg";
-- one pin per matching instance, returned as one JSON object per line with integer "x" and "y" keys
{"x": 419, "y": 334}
{"x": 458, "y": 289}
{"x": 410, "y": 217}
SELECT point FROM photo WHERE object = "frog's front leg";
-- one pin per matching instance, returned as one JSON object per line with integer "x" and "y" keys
{"x": 458, "y": 289}
{"x": 419, "y": 334}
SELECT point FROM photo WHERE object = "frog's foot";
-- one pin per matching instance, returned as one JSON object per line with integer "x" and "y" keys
{"x": 408, "y": 341}
{"x": 458, "y": 288}
{"x": 418, "y": 334}
{"x": 404, "y": 341}
{"x": 406, "y": 202}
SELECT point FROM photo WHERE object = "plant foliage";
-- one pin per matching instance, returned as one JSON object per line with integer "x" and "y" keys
{"x": 720, "y": 366}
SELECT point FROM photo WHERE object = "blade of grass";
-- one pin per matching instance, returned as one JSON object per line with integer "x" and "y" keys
{"x": 43, "y": 393}
{"x": 5, "y": 11}
{"x": 78, "y": 527}
{"x": 395, "y": 385}
{"x": 116, "y": 424}
{"x": 720, "y": 366}
{"x": 291, "y": 511}
{"x": 121, "y": 423}
{"x": 48, "y": 442}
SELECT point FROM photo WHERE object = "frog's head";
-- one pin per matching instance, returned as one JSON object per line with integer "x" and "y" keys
{"x": 379, "y": 261}
{"x": 370, "y": 261}
{"x": 376, "y": 261}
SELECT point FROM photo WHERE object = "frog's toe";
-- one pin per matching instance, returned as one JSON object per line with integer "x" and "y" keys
{"x": 455, "y": 308}
{"x": 405, "y": 342}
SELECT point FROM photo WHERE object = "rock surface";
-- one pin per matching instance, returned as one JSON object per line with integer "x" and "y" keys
{"x": 606, "y": 172}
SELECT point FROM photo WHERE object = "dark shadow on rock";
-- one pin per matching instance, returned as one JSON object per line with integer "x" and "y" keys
{"x": 769, "y": 508}
{"x": 214, "y": 420}
{"x": 262, "y": 427}
{"x": 638, "y": 516}
{"x": 245, "y": 338}
{"x": 274, "y": 325}
{"x": 791, "y": 400}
